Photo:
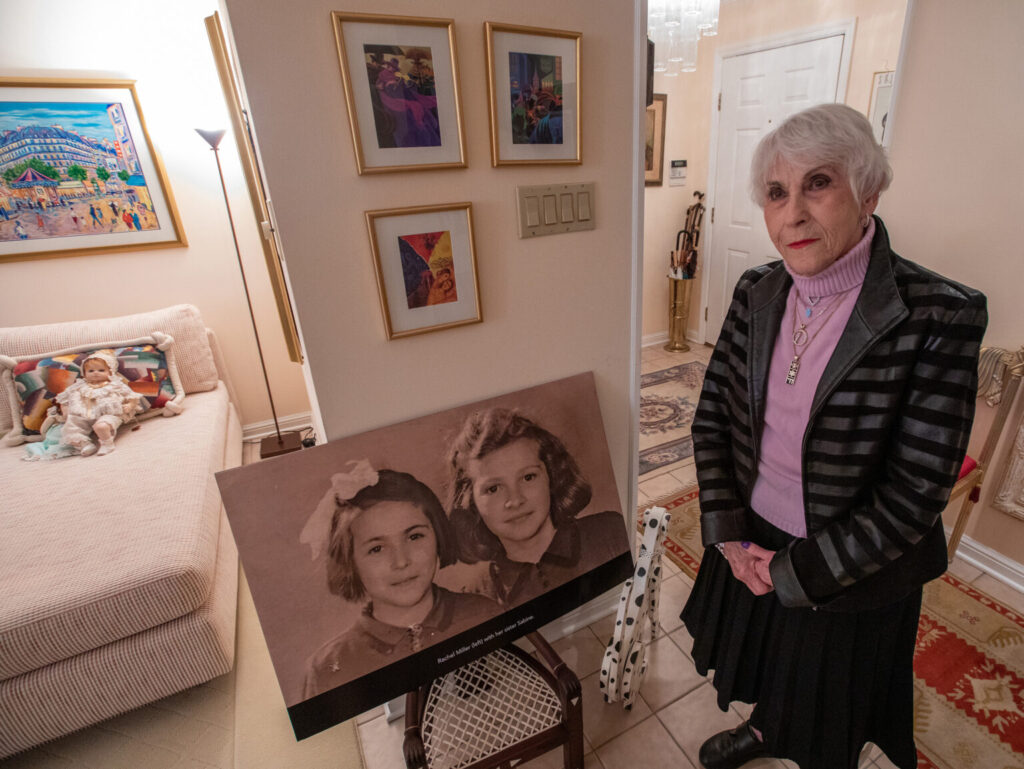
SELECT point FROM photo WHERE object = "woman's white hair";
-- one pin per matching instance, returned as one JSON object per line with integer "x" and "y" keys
{"x": 828, "y": 134}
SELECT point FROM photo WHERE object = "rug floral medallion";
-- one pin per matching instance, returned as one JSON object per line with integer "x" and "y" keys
{"x": 668, "y": 401}
{"x": 968, "y": 667}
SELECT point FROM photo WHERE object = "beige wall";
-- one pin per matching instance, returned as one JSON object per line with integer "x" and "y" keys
{"x": 164, "y": 48}
{"x": 688, "y": 127}
{"x": 956, "y": 200}
{"x": 552, "y": 306}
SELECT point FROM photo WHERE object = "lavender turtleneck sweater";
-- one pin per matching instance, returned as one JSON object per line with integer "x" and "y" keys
{"x": 778, "y": 495}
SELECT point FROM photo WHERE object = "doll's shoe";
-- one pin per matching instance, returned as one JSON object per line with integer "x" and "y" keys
{"x": 732, "y": 748}
{"x": 88, "y": 450}
{"x": 105, "y": 448}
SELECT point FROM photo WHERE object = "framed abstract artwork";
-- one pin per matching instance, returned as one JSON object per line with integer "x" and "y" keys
{"x": 78, "y": 171}
{"x": 654, "y": 141}
{"x": 401, "y": 84}
{"x": 426, "y": 267}
{"x": 533, "y": 79}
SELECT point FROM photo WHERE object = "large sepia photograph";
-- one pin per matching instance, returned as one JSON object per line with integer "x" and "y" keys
{"x": 378, "y": 561}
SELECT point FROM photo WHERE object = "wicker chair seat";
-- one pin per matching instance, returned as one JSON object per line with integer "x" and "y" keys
{"x": 499, "y": 710}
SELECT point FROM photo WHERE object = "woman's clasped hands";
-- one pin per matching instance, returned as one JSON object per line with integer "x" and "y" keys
{"x": 749, "y": 564}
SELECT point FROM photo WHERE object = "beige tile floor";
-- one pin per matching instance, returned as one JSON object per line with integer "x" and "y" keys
{"x": 676, "y": 710}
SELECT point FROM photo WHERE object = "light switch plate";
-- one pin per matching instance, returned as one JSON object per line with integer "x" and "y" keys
{"x": 551, "y": 209}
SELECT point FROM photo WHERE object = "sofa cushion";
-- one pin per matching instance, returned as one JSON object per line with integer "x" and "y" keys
{"x": 183, "y": 322}
{"x": 96, "y": 548}
{"x": 31, "y": 384}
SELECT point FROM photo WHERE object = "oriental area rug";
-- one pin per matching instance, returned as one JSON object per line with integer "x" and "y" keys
{"x": 968, "y": 667}
{"x": 668, "y": 400}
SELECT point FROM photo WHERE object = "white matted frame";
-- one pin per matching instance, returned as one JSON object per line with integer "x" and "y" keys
{"x": 881, "y": 100}
{"x": 517, "y": 135}
{"x": 393, "y": 47}
{"x": 97, "y": 127}
{"x": 437, "y": 299}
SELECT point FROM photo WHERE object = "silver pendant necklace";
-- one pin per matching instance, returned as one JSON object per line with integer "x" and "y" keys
{"x": 801, "y": 339}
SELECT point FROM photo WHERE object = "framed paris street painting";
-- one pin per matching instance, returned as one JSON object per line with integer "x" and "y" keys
{"x": 426, "y": 267}
{"x": 533, "y": 85}
{"x": 78, "y": 172}
{"x": 401, "y": 84}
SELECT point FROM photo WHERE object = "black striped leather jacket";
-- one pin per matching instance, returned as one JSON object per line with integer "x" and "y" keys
{"x": 885, "y": 441}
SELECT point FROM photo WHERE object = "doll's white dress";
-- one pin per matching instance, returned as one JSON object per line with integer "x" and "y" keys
{"x": 85, "y": 405}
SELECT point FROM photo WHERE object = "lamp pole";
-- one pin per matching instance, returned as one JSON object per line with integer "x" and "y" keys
{"x": 279, "y": 443}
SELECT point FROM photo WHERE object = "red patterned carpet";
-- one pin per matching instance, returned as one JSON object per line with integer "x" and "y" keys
{"x": 968, "y": 668}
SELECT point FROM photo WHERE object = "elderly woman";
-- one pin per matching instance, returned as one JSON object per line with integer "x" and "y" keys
{"x": 831, "y": 428}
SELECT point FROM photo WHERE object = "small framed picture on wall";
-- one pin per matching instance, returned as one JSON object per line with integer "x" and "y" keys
{"x": 426, "y": 267}
{"x": 654, "y": 141}
{"x": 881, "y": 99}
{"x": 401, "y": 82}
{"x": 533, "y": 79}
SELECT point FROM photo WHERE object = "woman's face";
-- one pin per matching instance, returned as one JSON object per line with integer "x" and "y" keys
{"x": 395, "y": 552}
{"x": 812, "y": 215}
{"x": 512, "y": 491}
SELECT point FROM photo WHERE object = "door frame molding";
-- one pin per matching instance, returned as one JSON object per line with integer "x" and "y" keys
{"x": 845, "y": 27}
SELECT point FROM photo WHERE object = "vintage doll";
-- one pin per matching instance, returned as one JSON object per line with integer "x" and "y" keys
{"x": 385, "y": 535}
{"x": 97, "y": 402}
{"x": 515, "y": 496}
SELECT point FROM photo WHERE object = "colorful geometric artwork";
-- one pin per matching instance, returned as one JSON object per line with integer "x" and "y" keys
{"x": 535, "y": 82}
{"x": 403, "y": 95}
{"x": 70, "y": 169}
{"x": 39, "y": 382}
{"x": 428, "y": 269}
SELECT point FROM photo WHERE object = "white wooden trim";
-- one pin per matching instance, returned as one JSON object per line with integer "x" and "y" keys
{"x": 898, "y": 77}
{"x": 258, "y": 430}
{"x": 993, "y": 563}
{"x": 585, "y": 615}
{"x": 637, "y": 257}
{"x": 845, "y": 27}
{"x": 661, "y": 338}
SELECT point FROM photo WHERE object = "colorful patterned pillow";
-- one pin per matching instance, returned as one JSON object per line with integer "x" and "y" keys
{"x": 33, "y": 382}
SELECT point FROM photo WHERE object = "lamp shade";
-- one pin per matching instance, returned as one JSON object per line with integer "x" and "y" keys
{"x": 212, "y": 137}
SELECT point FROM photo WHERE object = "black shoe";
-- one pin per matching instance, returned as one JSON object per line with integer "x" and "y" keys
{"x": 732, "y": 748}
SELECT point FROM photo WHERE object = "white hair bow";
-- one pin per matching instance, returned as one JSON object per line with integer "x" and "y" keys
{"x": 344, "y": 486}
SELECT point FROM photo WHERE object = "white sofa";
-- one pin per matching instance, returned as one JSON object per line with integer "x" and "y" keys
{"x": 118, "y": 574}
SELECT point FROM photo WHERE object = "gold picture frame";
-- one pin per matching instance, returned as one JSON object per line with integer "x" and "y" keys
{"x": 533, "y": 94}
{"x": 425, "y": 263}
{"x": 654, "y": 141}
{"x": 401, "y": 80}
{"x": 240, "y": 128}
{"x": 78, "y": 171}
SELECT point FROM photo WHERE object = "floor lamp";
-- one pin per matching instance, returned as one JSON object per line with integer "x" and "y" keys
{"x": 279, "y": 443}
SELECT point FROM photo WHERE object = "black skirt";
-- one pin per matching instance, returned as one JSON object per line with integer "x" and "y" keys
{"x": 823, "y": 683}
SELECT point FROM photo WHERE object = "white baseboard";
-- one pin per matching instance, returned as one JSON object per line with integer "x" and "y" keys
{"x": 650, "y": 340}
{"x": 259, "y": 430}
{"x": 991, "y": 562}
{"x": 587, "y": 614}
{"x": 661, "y": 338}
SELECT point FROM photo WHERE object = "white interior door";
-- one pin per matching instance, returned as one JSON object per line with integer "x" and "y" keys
{"x": 758, "y": 90}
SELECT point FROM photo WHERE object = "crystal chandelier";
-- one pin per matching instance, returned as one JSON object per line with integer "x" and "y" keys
{"x": 676, "y": 26}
